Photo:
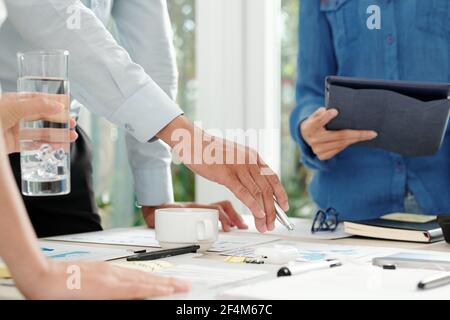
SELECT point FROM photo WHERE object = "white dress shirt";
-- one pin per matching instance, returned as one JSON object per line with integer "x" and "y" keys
{"x": 133, "y": 88}
{"x": 2, "y": 12}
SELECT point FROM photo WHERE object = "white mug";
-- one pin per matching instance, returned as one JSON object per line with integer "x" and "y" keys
{"x": 177, "y": 227}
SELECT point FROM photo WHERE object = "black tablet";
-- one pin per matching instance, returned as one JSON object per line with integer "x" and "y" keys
{"x": 410, "y": 117}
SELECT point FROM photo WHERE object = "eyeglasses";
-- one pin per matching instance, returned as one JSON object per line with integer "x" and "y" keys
{"x": 325, "y": 220}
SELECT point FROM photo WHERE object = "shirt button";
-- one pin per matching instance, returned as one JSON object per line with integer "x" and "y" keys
{"x": 129, "y": 127}
{"x": 390, "y": 39}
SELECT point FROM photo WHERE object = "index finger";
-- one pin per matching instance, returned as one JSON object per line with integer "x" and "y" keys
{"x": 278, "y": 189}
{"x": 349, "y": 134}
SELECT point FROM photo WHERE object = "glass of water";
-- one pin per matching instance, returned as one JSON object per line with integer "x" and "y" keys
{"x": 45, "y": 141}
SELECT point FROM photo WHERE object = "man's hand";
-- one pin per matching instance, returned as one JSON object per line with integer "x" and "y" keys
{"x": 239, "y": 168}
{"x": 228, "y": 216}
{"x": 14, "y": 107}
{"x": 326, "y": 144}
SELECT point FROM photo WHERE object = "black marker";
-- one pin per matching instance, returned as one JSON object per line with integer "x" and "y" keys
{"x": 153, "y": 255}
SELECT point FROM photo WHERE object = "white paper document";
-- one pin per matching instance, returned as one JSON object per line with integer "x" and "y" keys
{"x": 356, "y": 282}
{"x": 144, "y": 237}
{"x": 139, "y": 237}
{"x": 233, "y": 241}
{"x": 69, "y": 252}
{"x": 310, "y": 252}
{"x": 209, "y": 276}
{"x": 302, "y": 230}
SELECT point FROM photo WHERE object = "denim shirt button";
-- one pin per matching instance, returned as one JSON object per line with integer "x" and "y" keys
{"x": 390, "y": 39}
{"x": 399, "y": 166}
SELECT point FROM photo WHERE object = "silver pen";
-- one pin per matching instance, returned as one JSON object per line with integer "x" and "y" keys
{"x": 283, "y": 218}
{"x": 435, "y": 281}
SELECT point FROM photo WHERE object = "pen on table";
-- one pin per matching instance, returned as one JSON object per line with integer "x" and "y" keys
{"x": 153, "y": 255}
{"x": 312, "y": 266}
{"x": 282, "y": 217}
{"x": 434, "y": 281}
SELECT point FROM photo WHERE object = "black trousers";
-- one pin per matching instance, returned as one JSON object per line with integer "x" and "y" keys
{"x": 72, "y": 213}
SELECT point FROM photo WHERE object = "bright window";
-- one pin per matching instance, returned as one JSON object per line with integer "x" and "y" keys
{"x": 182, "y": 14}
{"x": 293, "y": 175}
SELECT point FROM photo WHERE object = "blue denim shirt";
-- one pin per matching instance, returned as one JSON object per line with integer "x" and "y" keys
{"x": 412, "y": 44}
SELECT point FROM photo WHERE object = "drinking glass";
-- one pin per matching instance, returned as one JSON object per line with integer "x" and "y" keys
{"x": 45, "y": 141}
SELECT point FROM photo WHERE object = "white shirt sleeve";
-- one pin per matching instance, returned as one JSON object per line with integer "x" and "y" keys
{"x": 3, "y": 12}
{"x": 144, "y": 29}
{"x": 103, "y": 76}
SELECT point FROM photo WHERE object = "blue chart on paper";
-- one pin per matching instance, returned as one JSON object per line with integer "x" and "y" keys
{"x": 68, "y": 254}
{"x": 316, "y": 255}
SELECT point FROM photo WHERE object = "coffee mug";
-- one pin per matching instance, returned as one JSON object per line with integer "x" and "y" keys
{"x": 177, "y": 227}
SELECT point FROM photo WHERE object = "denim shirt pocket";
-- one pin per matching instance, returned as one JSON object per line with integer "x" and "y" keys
{"x": 345, "y": 20}
{"x": 433, "y": 16}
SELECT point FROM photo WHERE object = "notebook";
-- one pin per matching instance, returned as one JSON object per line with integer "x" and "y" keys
{"x": 401, "y": 227}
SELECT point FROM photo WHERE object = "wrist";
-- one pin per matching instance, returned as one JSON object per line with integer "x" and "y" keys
{"x": 186, "y": 140}
{"x": 169, "y": 133}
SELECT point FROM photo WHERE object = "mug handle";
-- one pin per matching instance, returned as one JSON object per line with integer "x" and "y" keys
{"x": 205, "y": 230}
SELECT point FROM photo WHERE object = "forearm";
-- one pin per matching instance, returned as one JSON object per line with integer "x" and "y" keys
{"x": 18, "y": 243}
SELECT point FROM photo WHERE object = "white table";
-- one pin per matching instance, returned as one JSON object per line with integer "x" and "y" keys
{"x": 215, "y": 259}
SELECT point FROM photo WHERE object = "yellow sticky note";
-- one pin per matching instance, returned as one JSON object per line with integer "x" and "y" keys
{"x": 235, "y": 259}
{"x": 4, "y": 272}
{"x": 147, "y": 266}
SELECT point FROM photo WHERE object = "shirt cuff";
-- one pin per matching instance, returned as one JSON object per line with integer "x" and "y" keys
{"x": 146, "y": 112}
{"x": 307, "y": 155}
{"x": 153, "y": 187}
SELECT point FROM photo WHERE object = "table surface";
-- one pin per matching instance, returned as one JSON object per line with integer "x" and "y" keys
{"x": 215, "y": 259}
